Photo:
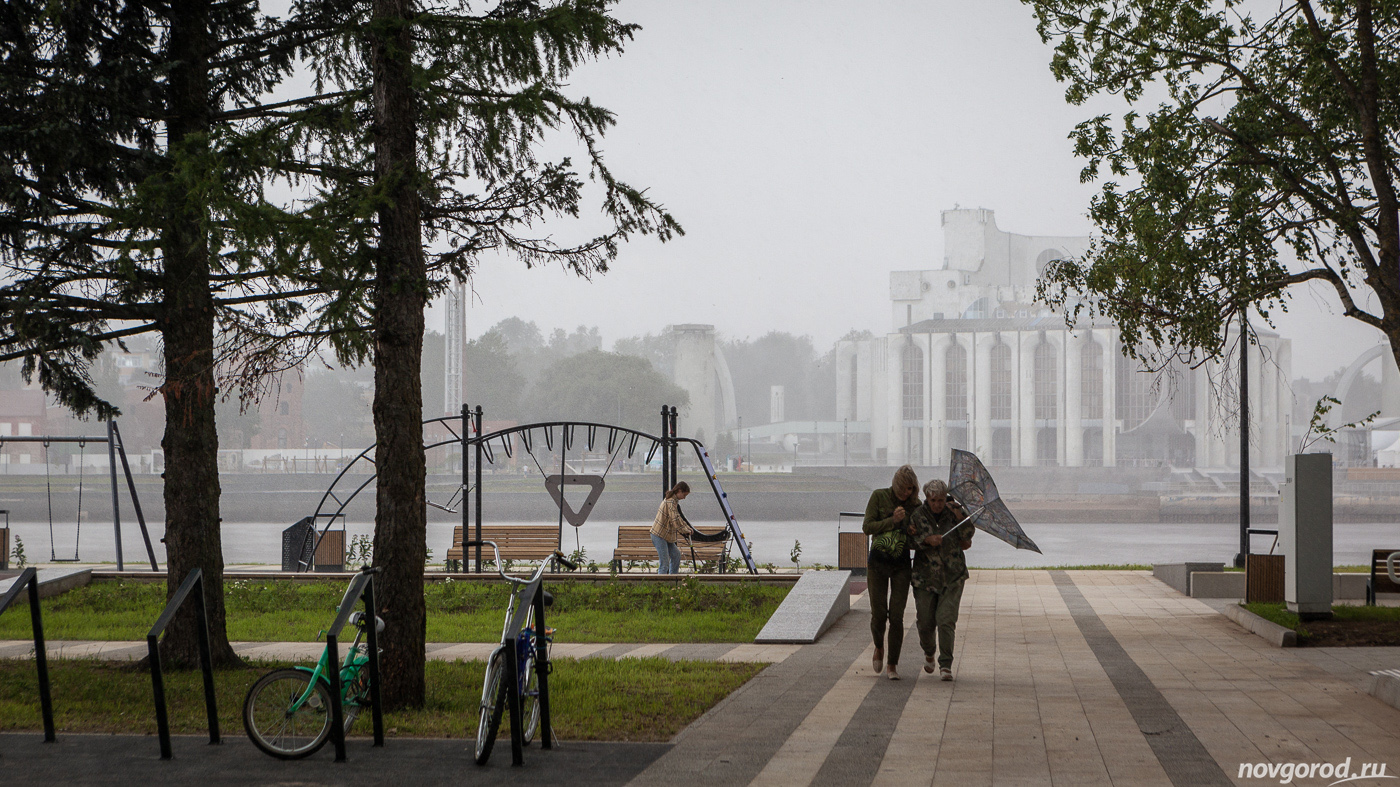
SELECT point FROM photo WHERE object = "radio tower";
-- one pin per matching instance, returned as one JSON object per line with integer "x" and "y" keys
{"x": 455, "y": 326}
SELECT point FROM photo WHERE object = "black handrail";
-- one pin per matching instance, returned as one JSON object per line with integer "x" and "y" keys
{"x": 194, "y": 580}
{"x": 362, "y": 586}
{"x": 30, "y": 577}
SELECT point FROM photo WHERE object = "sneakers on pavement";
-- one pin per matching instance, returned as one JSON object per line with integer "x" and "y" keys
{"x": 877, "y": 663}
{"x": 945, "y": 674}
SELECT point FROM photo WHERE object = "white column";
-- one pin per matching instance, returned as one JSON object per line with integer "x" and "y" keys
{"x": 1074, "y": 404}
{"x": 938, "y": 363}
{"x": 1110, "y": 398}
{"x": 980, "y": 388}
{"x": 894, "y": 366}
{"x": 1026, "y": 407}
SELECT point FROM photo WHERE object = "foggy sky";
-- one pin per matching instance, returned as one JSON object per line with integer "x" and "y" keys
{"x": 807, "y": 148}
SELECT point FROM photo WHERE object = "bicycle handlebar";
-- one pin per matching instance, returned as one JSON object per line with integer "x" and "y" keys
{"x": 500, "y": 565}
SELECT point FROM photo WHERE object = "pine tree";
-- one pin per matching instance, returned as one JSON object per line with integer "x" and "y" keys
{"x": 133, "y": 200}
{"x": 444, "y": 170}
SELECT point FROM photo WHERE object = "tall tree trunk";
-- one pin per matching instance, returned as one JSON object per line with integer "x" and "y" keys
{"x": 401, "y": 295}
{"x": 191, "y": 440}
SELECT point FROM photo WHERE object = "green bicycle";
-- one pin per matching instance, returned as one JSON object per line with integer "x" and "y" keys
{"x": 287, "y": 713}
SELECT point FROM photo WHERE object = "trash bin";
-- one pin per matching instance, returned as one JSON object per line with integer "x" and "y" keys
{"x": 297, "y": 542}
{"x": 1263, "y": 580}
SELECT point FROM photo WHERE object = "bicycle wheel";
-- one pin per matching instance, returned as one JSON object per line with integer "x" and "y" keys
{"x": 530, "y": 701}
{"x": 281, "y": 732}
{"x": 493, "y": 703}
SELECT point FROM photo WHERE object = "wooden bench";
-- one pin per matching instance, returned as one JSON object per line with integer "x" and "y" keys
{"x": 516, "y": 542}
{"x": 1380, "y": 581}
{"x": 634, "y": 543}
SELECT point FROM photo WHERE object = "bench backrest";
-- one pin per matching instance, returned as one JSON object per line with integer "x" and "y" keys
{"x": 637, "y": 539}
{"x": 516, "y": 542}
{"x": 1380, "y": 578}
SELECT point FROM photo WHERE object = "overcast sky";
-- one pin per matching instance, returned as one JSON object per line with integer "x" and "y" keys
{"x": 807, "y": 147}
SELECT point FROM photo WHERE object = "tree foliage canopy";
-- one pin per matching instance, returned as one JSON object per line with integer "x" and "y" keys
{"x": 1247, "y": 136}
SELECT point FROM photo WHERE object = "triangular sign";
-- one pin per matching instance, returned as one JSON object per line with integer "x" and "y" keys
{"x": 556, "y": 483}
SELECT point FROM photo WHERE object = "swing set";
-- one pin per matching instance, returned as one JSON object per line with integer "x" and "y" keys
{"x": 556, "y": 436}
{"x": 116, "y": 449}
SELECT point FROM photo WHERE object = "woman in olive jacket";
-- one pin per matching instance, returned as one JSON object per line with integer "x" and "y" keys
{"x": 887, "y": 567}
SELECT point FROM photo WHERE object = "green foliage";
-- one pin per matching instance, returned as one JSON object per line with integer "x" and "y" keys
{"x": 1278, "y": 613}
{"x": 795, "y": 554}
{"x": 17, "y": 557}
{"x": 1247, "y": 135}
{"x": 591, "y": 699}
{"x": 1318, "y": 428}
{"x": 493, "y": 379}
{"x": 604, "y": 387}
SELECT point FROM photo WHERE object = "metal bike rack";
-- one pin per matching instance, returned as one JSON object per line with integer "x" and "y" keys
{"x": 361, "y": 587}
{"x": 193, "y": 581}
{"x": 30, "y": 578}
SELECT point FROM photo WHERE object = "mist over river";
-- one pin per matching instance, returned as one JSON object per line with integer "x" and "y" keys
{"x": 1063, "y": 544}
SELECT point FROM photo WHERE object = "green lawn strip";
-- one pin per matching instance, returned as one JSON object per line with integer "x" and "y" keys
{"x": 270, "y": 611}
{"x": 1089, "y": 567}
{"x": 590, "y": 699}
{"x": 1278, "y": 613}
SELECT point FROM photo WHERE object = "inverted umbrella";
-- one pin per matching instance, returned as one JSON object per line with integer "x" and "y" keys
{"x": 971, "y": 485}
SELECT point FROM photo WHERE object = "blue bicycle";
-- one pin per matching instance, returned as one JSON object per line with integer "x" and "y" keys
{"x": 529, "y": 644}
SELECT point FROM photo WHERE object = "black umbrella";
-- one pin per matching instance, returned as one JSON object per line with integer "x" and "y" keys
{"x": 971, "y": 485}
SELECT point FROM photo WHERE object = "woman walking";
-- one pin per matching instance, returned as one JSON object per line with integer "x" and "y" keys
{"x": 940, "y": 569}
{"x": 887, "y": 566}
{"x": 668, "y": 527}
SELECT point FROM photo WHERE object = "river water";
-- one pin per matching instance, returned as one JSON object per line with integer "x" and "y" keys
{"x": 1062, "y": 544}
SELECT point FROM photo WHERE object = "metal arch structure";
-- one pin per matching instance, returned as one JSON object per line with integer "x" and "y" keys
{"x": 466, "y": 431}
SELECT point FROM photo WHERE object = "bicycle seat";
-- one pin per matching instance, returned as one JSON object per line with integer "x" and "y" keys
{"x": 357, "y": 619}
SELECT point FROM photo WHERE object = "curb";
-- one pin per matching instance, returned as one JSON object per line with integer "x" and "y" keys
{"x": 1270, "y": 632}
{"x": 1385, "y": 686}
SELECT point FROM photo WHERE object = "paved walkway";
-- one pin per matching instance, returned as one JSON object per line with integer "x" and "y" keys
{"x": 1063, "y": 678}
{"x": 462, "y": 651}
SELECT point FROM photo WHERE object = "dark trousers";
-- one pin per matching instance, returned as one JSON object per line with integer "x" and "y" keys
{"x": 938, "y": 615}
{"x": 889, "y": 591}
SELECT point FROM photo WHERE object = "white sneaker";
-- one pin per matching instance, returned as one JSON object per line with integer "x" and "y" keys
{"x": 945, "y": 674}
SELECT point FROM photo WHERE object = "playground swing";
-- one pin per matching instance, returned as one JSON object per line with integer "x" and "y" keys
{"x": 78, "y": 517}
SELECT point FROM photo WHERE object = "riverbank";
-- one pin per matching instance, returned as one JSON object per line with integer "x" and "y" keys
{"x": 1065, "y": 495}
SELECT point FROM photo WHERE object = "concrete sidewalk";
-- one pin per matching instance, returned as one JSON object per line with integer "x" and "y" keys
{"x": 124, "y": 650}
{"x": 1063, "y": 678}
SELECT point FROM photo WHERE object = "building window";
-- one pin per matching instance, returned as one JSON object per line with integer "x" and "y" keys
{"x": 1002, "y": 391}
{"x": 957, "y": 437}
{"x": 281, "y": 438}
{"x": 1184, "y": 394}
{"x": 1046, "y": 382}
{"x": 284, "y": 408}
{"x": 1134, "y": 393}
{"x": 955, "y": 383}
{"x": 1046, "y": 448}
{"x": 1093, "y": 447}
{"x": 913, "y": 366}
{"x": 1091, "y": 380}
{"x": 1001, "y": 445}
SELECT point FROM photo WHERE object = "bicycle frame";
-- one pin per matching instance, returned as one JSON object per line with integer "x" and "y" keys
{"x": 526, "y": 596}
{"x": 355, "y": 662}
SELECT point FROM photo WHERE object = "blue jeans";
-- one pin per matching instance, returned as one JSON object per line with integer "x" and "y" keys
{"x": 669, "y": 553}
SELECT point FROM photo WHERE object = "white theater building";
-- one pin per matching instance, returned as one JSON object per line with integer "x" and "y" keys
{"x": 972, "y": 362}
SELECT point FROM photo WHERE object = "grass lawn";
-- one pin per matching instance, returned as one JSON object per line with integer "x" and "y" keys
{"x": 269, "y": 611}
{"x": 1089, "y": 567}
{"x": 590, "y": 699}
{"x": 1350, "y": 625}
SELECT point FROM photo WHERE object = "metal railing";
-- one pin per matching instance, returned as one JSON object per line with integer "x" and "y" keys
{"x": 194, "y": 581}
{"x": 30, "y": 578}
{"x": 361, "y": 587}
